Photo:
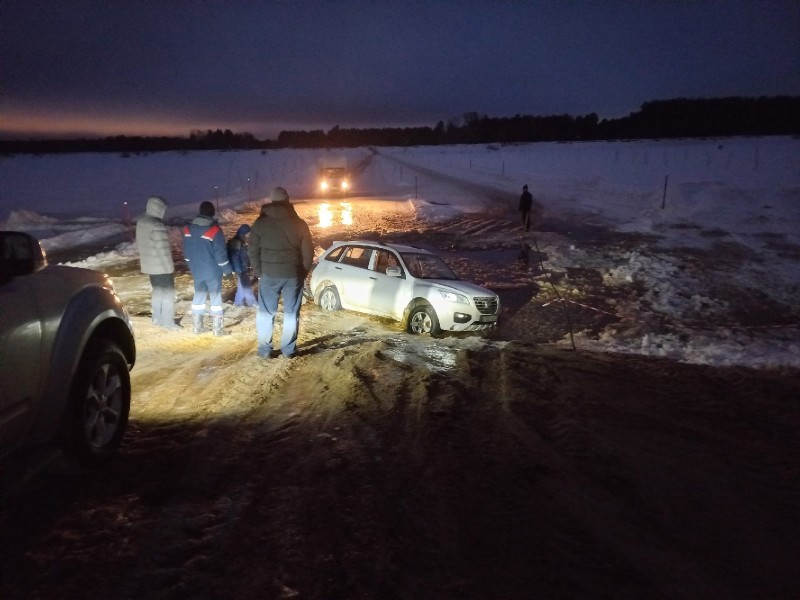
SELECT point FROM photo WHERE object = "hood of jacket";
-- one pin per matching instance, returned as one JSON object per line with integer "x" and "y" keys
{"x": 242, "y": 231}
{"x": 203, "y": 220}
{"x": 156, "y": 207}
{"x": 278, "y": 210}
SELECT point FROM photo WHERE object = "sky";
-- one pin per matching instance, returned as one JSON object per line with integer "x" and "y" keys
{"x": 167, "y": 67}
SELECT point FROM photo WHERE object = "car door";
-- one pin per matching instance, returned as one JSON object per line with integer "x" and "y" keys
{"x": 355, "y": 283}
{"x": 388, "y": 297}
{"x": 20, "y": 358}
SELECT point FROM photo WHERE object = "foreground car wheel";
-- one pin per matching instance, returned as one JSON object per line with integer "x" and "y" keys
{"x": 329, "y": 299}
{"x": 423, "y": 319}
{"x": 100, "y": 403}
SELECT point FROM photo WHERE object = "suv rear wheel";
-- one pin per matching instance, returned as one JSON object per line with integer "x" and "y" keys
{"x": 329, "y": 299}
{"x": 100, "y": 403}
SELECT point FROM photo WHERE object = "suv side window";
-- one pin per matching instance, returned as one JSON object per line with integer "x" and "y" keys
{"x": 357, "y": 256}
{"x": 335, "y": 255}
{"x": 383, "y": 259}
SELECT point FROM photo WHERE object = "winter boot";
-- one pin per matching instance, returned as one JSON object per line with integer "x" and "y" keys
{"x": 197, "y": 324}
{"x": 217, "y": 324}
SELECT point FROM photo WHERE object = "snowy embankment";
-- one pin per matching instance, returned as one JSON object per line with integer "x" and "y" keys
{"x": 722, "y": 226}
{"x": 718, "y": 264}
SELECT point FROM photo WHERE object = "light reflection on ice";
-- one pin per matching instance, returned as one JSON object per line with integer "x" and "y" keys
{"x": 325, "y": 215}
{"x": 347, "y": 213}
{"x": 328, "y": 215}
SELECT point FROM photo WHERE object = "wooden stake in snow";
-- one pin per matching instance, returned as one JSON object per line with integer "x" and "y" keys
{"x": 127, "y": 216}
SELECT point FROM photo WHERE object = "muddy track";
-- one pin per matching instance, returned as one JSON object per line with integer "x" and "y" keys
{"x": 513, "y": 468}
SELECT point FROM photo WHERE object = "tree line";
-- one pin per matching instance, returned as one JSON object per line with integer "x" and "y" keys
{"x": 676, "y": 118}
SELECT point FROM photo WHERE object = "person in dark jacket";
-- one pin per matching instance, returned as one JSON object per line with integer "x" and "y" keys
{"x": 155, "y": 258}
{"x": 281, "y": 254}
{"x": 240, "y": 263}
{"x": 205, "y": 252}
{"x": 525, "y": 202}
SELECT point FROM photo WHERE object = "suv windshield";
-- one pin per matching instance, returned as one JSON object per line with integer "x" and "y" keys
{"x": 427, "y": 266}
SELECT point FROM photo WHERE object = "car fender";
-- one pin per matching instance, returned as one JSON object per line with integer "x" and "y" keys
{"x": 95, "y": 311}
{"x": 321, "y": 286}
{"x": 413, "y": 304}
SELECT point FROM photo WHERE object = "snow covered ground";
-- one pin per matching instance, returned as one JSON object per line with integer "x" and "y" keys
{"x": 719, "y": 221}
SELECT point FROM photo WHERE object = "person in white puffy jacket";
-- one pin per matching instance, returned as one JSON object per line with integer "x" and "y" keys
{"x": 155, "y": 257}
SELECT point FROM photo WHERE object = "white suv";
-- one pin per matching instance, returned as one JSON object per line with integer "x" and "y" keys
{"x": 411, "y": 285}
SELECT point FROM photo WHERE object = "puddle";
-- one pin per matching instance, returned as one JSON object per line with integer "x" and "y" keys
{"x": 427, "y": 353}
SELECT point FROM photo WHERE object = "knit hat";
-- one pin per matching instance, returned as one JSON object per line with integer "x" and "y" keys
{"x": 525, "y": 187}
{"x": 279, "y": 194}
{"x": 207, "y": 209}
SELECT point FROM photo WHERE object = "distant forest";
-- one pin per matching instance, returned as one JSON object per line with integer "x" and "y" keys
{"x": 677, "y": 118}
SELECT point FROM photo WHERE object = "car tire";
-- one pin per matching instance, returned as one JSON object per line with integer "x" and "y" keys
{"x": 329, "y": 299}
{"x": 423, "y": 319}
{"x": 100, "y": 402}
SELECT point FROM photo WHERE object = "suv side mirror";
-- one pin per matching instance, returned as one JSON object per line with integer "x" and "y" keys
{"x": 20, "y": 254}
{"x": 394, "y": 271}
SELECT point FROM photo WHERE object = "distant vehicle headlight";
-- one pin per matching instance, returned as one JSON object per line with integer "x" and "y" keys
{"x": 449, "y": 296}
{"x": 345, "y": 184}
{"x": 323, "y": 185}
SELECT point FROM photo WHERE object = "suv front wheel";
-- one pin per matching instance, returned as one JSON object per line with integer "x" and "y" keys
{"x": 423, "y": 319}
{"x": 100, "y": 403}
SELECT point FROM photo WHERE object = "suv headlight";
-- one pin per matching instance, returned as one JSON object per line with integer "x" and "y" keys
{"x": 449, "y": 296}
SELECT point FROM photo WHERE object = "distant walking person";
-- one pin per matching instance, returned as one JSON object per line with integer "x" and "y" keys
{"x": 205, "y": 251}
{"x": 281, "y": 254}
{"x": 525, "y": 203}
{"x": 240, "y": 263}
{"x": 155, "y": 258}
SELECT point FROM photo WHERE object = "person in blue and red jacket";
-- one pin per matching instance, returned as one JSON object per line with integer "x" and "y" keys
{"x": 205, "y": 252}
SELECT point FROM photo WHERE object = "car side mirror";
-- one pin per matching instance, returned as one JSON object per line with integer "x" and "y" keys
{"x": 394, "y": 271}
{"x": 20, "y": 254}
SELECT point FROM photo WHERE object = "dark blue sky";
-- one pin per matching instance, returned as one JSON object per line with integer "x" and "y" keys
{"x": 83, "y": 67}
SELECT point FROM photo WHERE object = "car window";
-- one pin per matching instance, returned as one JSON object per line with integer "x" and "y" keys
{"x": 15, "y": 247}
{"x": 335, "y": 255}
{"x": 383, "y": 259}
{"x": 358, "y": 256}
{"x": 16, "y": 254}
{"x": 427, "y": 266}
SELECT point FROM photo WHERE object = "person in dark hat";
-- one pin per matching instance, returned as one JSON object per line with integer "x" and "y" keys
{"x": 240, "y": 263}
{"x": 206, "y": 254}
{"x": 525, "y": 203}
{"x": 281, "y": 254}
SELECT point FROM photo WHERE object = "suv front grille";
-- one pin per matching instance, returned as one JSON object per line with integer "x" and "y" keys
{"x": 486, "y": 306}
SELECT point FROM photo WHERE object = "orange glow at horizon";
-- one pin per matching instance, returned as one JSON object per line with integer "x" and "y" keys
{"x": 69, "y": 125}
{"x": 40, "y": 124}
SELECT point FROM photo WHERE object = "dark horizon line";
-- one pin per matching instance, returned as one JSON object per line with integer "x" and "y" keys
{"x": 96, "y": 137}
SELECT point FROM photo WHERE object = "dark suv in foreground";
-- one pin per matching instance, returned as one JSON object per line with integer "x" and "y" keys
{"x": 66, "y": 349}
